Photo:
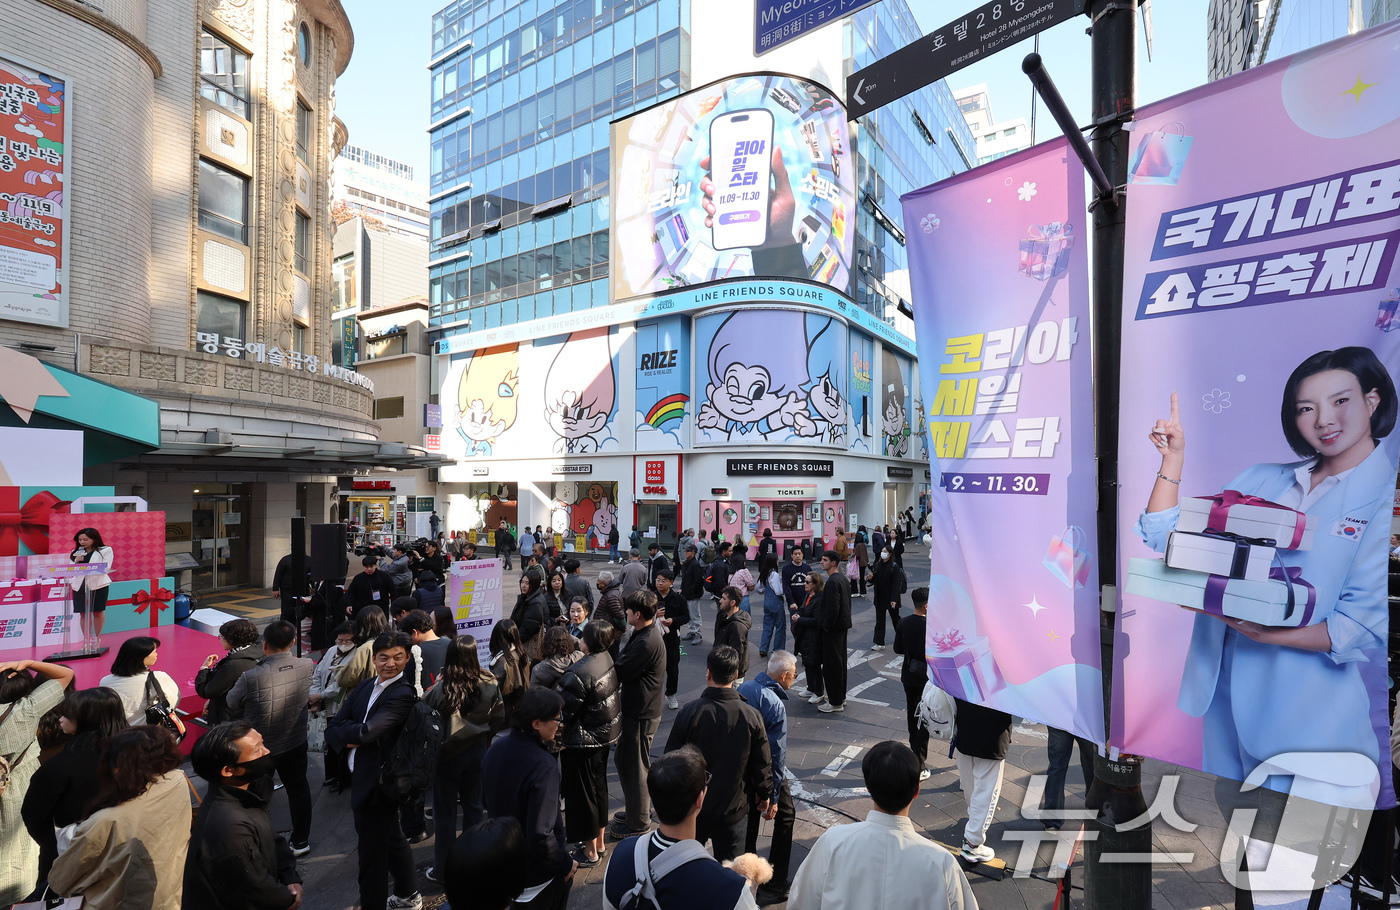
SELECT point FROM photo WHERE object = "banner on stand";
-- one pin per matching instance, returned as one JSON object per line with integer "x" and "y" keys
{"x": 475, "y": 597}
{"x": 1000, "y": 287}
{"x": 1259, "y": 310}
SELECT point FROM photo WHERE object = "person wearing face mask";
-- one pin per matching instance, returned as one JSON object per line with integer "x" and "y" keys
{"x": 234, "y": 859}
{"x": 326, "y": 697}
{"x": 887, "y": 580}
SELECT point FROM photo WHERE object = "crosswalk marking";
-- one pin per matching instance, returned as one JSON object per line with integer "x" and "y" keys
{"x": 839, "y": 763}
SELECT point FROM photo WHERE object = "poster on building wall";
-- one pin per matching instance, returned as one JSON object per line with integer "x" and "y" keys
{"x": 748, "y": 176}
{"x": 557, "y": 395}
{"x": 863, "y": 419}
{"x": 663, "y": 384}
{"x": 1003, "y": 338}
{"x": 771, "y": 375}
{"x": 34, "y": 137}
{"x": 584, "y": 509}
{"x": 1262, "y": 291}
{"x": 475, "y": 598}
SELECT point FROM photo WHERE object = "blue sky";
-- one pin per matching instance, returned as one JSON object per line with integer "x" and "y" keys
{"x": 383, "y": 96}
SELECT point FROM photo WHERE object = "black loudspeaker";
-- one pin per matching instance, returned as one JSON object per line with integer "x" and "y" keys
{"x": 329, "y": 559}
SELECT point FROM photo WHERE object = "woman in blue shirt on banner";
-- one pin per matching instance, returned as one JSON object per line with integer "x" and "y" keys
{"x": 1263, "y": 691}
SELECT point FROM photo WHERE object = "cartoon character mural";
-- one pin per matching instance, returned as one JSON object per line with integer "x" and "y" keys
{"x": 773, "y": 375}
{"x": 861, "y": 386}
{"x": 894, "y": 404}
{"x": 585, "y": 508}
{"x": 488, "y": 398}
{"x": 580, "y": 393}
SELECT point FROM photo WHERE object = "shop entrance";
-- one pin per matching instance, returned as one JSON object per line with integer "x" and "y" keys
{"x": 662, "y": 516}
{"x": 219, "y": 538}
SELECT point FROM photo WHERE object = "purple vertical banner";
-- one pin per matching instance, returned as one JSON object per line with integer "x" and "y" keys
{"x": 1258, "y": 446}
{"x": 999, "y": 273}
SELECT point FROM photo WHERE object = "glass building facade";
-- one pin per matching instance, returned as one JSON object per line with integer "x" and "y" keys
{"x": 522, "y": 95}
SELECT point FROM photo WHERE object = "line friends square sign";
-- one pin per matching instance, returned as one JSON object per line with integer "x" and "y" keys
{"x": 474, "y": 596}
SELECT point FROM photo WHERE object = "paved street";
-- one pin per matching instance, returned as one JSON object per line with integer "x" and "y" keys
{"x": 824, "y": 760}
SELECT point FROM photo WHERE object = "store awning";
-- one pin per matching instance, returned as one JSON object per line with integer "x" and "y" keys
{"x": 231, "y": 451}
{"x": 115, "y": 423}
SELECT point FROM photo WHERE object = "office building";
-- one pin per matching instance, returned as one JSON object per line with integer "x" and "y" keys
{"x": 524, "y": 292}
{"x": 994, "y": 139}
{"x": 177, "y": 244}
{"x": 382, "y": 189}
{"x": 1245, "y": 33}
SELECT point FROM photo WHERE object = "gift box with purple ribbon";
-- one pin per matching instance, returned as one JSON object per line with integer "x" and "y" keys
{"x": 1283, "y": 599}
{"x": 1386, "y": 319}
{"x": 1046, "y": 253}
{"x": 963, "y": 667}
{"x": 1233, "y": 512}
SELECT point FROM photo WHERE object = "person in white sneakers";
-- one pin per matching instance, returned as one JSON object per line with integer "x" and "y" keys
{"x": 984, "y": 735}
{"x": 883, "y": 861}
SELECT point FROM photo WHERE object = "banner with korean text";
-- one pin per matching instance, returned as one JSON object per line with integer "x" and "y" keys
{"x": 999, "y": 274}
{"x": 1257, "y": 452}
{"x": 474, "y": 596}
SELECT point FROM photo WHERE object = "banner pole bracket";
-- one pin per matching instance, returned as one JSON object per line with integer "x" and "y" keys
{"x": 1104, "y": 191}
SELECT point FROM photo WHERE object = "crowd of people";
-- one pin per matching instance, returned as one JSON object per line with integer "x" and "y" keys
{"x": 511, "y": 738}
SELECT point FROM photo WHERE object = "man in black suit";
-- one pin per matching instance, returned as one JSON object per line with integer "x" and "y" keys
{"x": 367, "y": 725}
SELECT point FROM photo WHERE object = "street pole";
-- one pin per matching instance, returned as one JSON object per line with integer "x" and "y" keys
{"x": 1117, "y": 789}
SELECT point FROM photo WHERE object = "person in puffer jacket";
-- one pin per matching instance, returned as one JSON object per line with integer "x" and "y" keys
{"x": 732, "y": 627}
{"x": 592, "y": 723}
{"x": 610, "y": 609}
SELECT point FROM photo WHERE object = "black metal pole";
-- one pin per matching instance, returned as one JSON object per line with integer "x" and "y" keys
{"x": 1126, "y": 882}
{"x": 298, "y": 573}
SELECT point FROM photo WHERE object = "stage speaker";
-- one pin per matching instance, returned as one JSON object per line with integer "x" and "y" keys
{"x": 329, "y": 559}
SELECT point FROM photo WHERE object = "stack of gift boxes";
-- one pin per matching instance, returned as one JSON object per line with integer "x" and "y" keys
{"x": 1221, "y": 559}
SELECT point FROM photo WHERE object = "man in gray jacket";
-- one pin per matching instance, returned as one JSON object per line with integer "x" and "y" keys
{"x": 273, "y": 697}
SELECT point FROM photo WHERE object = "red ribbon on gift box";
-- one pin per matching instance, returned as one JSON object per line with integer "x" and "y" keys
{"x": 1220, "y": 513}
{"x": 28, "y": 523}
{"x": 157, "y": 596}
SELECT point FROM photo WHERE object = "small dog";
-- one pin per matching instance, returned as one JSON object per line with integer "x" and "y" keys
{"x": 752, "y": 867}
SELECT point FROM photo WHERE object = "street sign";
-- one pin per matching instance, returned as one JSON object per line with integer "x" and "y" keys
{"x": 984, "y": 31}
{"x": 776, "y": 22}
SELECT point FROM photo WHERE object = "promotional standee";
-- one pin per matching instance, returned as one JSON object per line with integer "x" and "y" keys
{"x": 748, "y": 176}
{"x": 475, "y": 597}
{"x": 1258, "y": 443}
{"x": 1000, "y": 276}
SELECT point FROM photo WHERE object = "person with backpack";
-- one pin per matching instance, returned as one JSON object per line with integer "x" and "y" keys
{"x": 668, "y": 869}
{"x": 368, "y": 726}
{"x": 980, "y": 745}
{"x": 469, "y": 702}
{"x": 635, "y": 539}
{"x": 913, "y": 675}
{"x": 717, "y": 579}
{"x": 521, "y": 778}
{"x": 429, "y": 595}
{"x": 887, "y": 580}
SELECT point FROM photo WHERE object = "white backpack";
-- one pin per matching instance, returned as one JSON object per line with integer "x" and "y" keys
{"x": 938, "y": 713}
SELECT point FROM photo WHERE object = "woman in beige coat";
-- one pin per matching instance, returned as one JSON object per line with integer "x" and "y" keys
{"x": 130, "y": 851}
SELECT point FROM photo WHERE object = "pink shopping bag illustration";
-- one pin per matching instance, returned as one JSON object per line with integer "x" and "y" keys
{"x": 1160, "y": 156}
{"x": 1067, "y": 557}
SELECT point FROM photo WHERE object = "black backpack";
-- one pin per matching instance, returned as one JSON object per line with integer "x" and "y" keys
{"x": 718, "y": 576}
{"x": 408, "y": 768}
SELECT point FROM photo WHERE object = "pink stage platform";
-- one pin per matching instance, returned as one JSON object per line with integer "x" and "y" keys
{"x": 182, "y": 652}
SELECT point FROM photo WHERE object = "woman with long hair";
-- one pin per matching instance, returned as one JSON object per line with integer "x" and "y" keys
{"x": 469, "y": 700}
{"x": 509, "y": 664}
{"x": 25, "y": 697}
{"x": 129, "y": 850}
{"x": 558, "y": 599}
{"x": 135, "y": 680}
{"x": 592, "y": 723}
{"x": 807, "y": 638}
{"x": 90, "y": 591}
{"x": 62, "y": 787}
{"x": 530, "y": 613}
{"x": 770, "y": 582}
{"x": 359, "y": 666}
{"x": 444, "y": 624}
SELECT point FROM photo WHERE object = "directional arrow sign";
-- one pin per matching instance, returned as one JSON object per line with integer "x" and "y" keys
{"x": 986, "y": 30}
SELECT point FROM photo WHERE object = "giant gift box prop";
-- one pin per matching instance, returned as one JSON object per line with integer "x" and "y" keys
{"x": 1248, "y": 516}
{"x": 1217, "y": 553}
{"x": 27, "y": 514}
{"x": 147, "y": 603}
{"x": 1285, "y": 599}
{"x": 965, "y": 668}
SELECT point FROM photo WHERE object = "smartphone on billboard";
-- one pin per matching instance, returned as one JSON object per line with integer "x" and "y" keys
{"x": 741, "y": 159}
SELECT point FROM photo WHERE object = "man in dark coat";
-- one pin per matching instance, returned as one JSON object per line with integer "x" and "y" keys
{"x": 372, "y": 586}
{"x": 673, "y": 614}
{"x": 835, "y": 620}
{"x": 909, "y": 641}
{"x": 732, "y": 626}
{"x": 367, "y": 725}
{"x": 732, "y": 737}
{"x": 505, "y": 543}
{"x": 520, "y": 778}
{"x": 234, "y": 859}
{"x": 641, "y": 669}
{"x": 575, "y": 584}
{"x": 656, "y": 562}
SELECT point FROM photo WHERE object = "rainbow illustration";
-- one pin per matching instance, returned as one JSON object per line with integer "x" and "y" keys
{"x": 672, "y": 407}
